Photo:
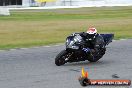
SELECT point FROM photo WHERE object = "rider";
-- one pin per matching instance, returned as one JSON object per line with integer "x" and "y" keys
{"x": 93, "y": 40}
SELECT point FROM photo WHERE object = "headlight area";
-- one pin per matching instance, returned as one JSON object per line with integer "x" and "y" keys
{"x": 71, "y": 44}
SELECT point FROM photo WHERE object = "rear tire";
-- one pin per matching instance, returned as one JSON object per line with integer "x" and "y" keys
{"x": 95, "y": 58}
{"x": 60, "y": 58}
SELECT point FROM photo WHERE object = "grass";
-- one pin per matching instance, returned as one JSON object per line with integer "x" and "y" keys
{"x": 28, "y": 28}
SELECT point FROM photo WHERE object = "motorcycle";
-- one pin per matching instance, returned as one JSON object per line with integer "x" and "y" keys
{"x": 74, "y": 50}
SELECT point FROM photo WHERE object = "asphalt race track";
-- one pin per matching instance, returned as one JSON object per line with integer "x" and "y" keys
{"x": 35, "y": 68}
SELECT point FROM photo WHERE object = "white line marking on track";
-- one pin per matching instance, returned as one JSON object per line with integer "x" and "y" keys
{"x": 123, "y": 39}
{"x": 24, "y": 48}
{"x": 47, "y": 46}
{"x": 2, "y": 50}
{"x": 12, "y": 49}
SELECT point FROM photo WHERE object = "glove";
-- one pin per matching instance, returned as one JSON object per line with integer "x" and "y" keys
{"x": 86, "y": 50}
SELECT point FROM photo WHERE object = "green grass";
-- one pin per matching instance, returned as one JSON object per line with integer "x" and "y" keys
{"x": 28, "y": 28}
{"x": 69, "y": 14}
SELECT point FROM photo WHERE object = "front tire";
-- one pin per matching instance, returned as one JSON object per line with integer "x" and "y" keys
{"x": 60, "y": 58}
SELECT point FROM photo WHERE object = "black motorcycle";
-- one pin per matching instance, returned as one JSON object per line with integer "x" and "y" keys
{"x": 74, "y": 50}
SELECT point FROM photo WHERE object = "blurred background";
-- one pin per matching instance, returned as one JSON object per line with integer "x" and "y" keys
{"x": 41, "y": 3}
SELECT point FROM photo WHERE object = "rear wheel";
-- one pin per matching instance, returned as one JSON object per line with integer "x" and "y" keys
{"x": 60, "y": 58}
{"x": 96, "y": 57}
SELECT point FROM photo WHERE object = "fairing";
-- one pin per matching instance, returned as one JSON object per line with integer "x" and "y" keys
{"x": 107, "y": 38}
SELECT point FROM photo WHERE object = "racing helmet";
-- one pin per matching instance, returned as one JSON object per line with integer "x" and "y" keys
{"x": 92, "y": 32}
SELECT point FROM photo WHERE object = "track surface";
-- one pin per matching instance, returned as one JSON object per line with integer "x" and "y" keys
{"x": 35, "y": 68}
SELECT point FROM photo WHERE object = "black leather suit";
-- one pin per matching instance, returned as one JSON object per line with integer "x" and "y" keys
{"x": 92, "y": 41}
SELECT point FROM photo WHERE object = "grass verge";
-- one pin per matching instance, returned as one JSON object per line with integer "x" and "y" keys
{"x": 28, "y": 28}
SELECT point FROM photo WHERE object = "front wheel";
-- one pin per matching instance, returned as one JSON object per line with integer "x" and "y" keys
{"x": 60, "y": 58}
